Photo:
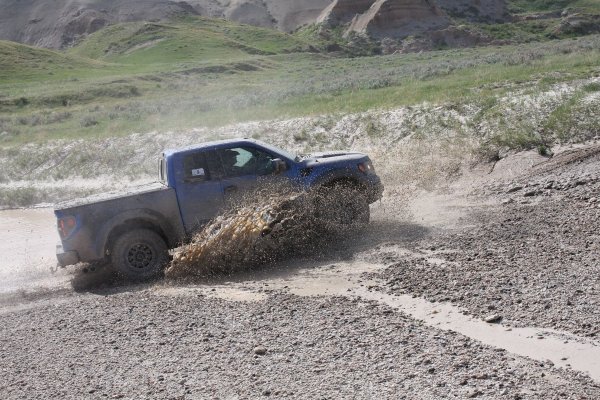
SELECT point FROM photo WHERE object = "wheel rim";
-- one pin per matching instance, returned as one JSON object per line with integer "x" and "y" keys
{"x": 140, "y": 256}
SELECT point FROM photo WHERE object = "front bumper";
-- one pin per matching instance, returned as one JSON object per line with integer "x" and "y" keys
{"x": 374, "y": 192}
{"x": 66, "y": 257}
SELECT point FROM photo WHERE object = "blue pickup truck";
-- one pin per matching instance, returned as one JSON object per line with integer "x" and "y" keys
{"x": 134, "y": 230}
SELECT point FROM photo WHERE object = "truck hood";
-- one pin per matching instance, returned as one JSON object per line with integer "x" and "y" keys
{"x": 330, "y": 157}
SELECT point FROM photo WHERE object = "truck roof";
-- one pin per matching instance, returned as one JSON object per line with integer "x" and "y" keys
{"x": 213, "y": 144}
{"x": 228, "y": 142}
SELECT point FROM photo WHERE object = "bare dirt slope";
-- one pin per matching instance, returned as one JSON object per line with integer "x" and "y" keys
{"x": 58, "y": 24}
{"x": 399, "y": 18}
{"x": 518, "y": 242}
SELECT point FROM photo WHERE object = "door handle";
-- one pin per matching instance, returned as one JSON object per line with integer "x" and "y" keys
{"x": 231, "y": 189}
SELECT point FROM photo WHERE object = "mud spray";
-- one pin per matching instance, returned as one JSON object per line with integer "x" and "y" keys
{"x": 251, "y": 235}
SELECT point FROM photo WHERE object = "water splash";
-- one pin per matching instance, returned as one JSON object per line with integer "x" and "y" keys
{"x": 247, "y": 236}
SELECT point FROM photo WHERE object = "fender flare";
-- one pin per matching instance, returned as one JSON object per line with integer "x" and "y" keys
{"x": 153, "y": 218}
{"x": 347, "y": 175}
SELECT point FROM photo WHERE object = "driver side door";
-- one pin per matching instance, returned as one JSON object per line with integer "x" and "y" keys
{"x": 250, "y": 169}
{"x": 199, "y": 190}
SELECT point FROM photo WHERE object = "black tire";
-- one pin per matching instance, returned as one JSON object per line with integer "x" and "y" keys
{"x": 342, "y": 207}
{"x": 139, "y": 255}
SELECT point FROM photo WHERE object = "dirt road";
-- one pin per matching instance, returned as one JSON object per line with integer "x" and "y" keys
{"x": 28, "y": 241}
{"x": 356, "y": 321}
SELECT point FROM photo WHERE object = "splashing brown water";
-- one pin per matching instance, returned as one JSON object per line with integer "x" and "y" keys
{"x": 247, "y": 236}
{"x": 271, "y": 225}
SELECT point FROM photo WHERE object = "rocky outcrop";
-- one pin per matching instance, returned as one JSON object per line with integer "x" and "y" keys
{"x": 399, "y": 18}
{"x": 291, "y": 14}
{"x": 249, "y": 12}
{"x": 343, "y": 11}
{"x": 578, "y": 24}
{"x": 83, "y": 23}
{"x": 450, "y": 37}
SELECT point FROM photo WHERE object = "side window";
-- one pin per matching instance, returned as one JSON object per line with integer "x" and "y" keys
{"x": 213, "y": 161}
{"x": 242, "y": 161}
{"x": 195, "y": 167}
{"x": 264, "y": 163}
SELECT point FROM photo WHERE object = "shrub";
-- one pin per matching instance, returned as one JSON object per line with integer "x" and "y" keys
{"x": 88, "y": 121}
{"x": 592, "y": 87}
{"x": 56, "y": 117}
{"x": 21, "y": 102}
{"x": 301, "y": 136}
{"x": 134, "y": 91}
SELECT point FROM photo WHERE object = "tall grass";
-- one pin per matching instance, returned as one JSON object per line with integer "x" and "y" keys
{"x": 282, "y": 86}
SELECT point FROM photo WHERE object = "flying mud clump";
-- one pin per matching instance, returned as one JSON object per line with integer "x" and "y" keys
{"x": 248, "y": 236}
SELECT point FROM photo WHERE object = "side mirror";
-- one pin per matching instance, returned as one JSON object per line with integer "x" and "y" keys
{"x": 279, "y": 166}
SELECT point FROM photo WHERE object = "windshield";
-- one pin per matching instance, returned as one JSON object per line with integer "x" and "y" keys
{"x": 282, "y": 152}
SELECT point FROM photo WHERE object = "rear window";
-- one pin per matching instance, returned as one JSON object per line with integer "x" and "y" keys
{"x": 195, "y": 167}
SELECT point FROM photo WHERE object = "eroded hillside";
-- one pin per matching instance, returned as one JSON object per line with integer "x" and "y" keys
{"x": 64, "y": 23}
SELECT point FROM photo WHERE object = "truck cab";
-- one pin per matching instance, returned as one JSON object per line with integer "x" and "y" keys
{"x": 208, "y": 178}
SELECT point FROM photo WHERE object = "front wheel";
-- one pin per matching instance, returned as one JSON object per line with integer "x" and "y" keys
{"x": 139, "y": 255}
{"x": 341, "y": 207}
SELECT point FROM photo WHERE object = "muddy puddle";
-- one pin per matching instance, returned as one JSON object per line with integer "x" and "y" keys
{"x": 561, "y": 348}
{"x": 347, "y": 279}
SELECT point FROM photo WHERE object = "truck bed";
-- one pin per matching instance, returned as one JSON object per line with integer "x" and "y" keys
{"x": 110, "y": 196}
{"x": 98, "y": 215}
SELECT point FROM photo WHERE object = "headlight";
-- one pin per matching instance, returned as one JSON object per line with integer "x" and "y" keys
{"x": 366, "y": 167}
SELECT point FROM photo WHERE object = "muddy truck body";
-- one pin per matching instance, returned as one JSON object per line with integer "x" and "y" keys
{"x": 133, "y": 230}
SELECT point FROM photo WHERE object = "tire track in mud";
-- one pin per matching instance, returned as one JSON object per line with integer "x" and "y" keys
{"x": 357, "y": 279}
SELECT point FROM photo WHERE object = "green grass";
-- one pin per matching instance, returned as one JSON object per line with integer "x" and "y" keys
{"x": 21, "y": 63}
{"x": 141, "y": 47}
{"x": 526, "y": 6}
{"x": 522, "y": 31}
{"x": 140, "y": 77}
{"x": 190, "y": 39}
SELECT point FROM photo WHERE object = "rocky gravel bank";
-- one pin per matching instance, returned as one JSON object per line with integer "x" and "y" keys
{"x": 534, "y": 259}
{"x": 149, "y": 344}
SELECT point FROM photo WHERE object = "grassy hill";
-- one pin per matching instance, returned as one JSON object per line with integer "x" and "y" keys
{"x": 140, "y": 77}
{"x": 190, "y": 39}
{"x": 19, "y": 62}
{"x": 526, "y": 6}
{"x": 140, "y": 47}
{"x": 542, "y": 20}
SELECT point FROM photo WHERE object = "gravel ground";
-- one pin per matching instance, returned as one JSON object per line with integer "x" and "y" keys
{"x": 147, "y": 345}
{"x": 529, "y": 253}
{"x": 533, "y": 260}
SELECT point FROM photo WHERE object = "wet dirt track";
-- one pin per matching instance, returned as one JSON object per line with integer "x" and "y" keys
{"x": 28, "y": 241}
{"x": 354, "y": 322}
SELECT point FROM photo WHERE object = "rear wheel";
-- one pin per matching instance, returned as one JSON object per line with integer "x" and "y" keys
{"x": 139, "y": 255}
